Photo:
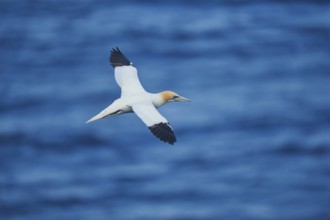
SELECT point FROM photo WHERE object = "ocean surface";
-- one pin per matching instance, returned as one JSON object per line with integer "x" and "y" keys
{"x": 254, "y": 143}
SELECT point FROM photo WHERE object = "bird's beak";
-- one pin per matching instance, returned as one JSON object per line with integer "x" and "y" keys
{"x": 181, "y": 99}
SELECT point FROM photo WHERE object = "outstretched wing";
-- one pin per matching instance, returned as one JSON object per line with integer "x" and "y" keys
{"x": 156, "y": 123}
{"x": 125, "y": 74}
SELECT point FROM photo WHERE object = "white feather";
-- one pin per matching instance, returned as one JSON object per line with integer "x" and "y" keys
{"x": 148, "y": 113}
{"x": 128, "y": 80}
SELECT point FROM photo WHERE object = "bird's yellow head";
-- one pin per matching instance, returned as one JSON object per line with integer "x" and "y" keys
{"x": 169, "y": 96}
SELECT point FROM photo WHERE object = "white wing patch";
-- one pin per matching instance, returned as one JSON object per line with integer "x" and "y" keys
{"x": 128, "y": 80}
{"x": 148, "y": 114}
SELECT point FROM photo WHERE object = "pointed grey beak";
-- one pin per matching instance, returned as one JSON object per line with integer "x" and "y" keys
{"x": 181, "y": 99}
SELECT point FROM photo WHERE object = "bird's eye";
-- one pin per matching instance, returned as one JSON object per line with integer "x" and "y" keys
{"x": 175, "y": 97}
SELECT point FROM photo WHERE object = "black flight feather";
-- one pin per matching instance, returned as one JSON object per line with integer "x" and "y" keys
{"x": 117, "y": 58}
{"x": 164, "y": 132}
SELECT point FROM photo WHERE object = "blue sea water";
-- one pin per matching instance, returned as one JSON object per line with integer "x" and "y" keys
{"x": 254, "y": 143}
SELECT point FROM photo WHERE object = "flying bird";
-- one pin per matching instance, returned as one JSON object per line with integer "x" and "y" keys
{"x": 134, "y": 98}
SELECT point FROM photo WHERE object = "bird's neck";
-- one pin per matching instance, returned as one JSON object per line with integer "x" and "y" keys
{"x": 158, "y": 100}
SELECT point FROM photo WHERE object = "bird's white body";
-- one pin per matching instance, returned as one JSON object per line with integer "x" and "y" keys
{"x": 134, "y": 98}
{"x": 125, "y": 105}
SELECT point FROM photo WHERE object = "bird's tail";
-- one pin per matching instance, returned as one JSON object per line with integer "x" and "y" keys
{"x": 114, "y": 109}
{"x": 103, "y": 114}
{"x": 96, "y": 117}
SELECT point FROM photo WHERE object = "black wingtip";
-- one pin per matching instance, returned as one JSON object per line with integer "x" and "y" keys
{"x": 164, "y": 132}
{"x": 117, "y": 58}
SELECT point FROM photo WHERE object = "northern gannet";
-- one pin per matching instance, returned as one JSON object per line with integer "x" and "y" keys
{"x": 134, "y": 98}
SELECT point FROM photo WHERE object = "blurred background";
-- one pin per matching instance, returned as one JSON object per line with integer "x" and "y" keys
{"x": 254, "y": 143}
